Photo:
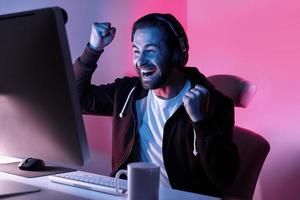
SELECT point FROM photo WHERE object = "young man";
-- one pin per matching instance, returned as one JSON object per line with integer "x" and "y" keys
{"x": 169, "y": 115}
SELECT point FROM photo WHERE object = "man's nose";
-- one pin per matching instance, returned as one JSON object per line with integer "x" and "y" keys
{"x": 141, "y": 61}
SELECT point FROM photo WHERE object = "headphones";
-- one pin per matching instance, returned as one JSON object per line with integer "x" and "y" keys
{"x": 180, "y": 57}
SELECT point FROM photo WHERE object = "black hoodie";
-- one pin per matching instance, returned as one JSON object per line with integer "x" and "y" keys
{"x": 209, "y": 170}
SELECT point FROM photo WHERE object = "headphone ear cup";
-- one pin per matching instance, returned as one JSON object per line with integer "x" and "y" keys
{"x": 184, "y": 58}
{"x": 177, "y": 58}
{"x": 180, "y": 58}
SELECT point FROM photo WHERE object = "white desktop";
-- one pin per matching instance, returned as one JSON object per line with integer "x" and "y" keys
{"x": 45, "y": 184}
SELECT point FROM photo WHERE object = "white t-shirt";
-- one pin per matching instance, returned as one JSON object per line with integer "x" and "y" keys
{"x": 151, "y": 127}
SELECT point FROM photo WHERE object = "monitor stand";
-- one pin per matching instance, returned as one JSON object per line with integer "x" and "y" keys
{"x": 12, "y": 168}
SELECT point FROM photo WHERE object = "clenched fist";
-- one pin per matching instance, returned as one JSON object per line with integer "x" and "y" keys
{"x": 195, "y": 102}
{"x": 102, "y": 34}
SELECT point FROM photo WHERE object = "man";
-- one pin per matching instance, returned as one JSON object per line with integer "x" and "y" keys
{"x": 169, "y": 115}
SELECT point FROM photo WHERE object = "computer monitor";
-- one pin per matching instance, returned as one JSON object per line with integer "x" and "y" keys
{"x": 39, "y": 108}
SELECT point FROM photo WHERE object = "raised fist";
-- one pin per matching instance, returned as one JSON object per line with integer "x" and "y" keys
{"x": 102, "y": 34}
{"x": 196, "y": 103}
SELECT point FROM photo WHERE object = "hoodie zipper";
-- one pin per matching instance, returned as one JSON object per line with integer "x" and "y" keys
{"x": 134, "y": 130}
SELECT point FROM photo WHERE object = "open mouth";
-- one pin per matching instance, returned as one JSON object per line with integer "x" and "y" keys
{"x": 146, "y": 73}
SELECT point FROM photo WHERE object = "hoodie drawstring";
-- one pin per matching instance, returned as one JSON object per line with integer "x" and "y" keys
{"x": 195, "y": 152}
{"x": 126, "y": 102}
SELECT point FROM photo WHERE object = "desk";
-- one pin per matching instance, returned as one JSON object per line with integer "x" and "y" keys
{"x": 57, "y": 191}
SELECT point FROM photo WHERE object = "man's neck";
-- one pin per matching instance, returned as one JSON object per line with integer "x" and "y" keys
{"x": 173, "y": 85}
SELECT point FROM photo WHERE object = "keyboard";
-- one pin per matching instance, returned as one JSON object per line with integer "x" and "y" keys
{"x": 89, "y": 181}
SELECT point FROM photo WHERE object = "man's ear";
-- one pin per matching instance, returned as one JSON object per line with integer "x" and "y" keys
{"x": 180, "y": 58}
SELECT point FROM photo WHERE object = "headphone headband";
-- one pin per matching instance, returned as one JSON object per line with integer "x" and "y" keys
{"x": 178, "y": 35}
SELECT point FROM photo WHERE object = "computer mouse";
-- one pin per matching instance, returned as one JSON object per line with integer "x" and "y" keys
{"x": 32, "y": 164}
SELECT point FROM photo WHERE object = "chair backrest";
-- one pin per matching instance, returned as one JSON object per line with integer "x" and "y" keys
{"x": 253, "y": 148}
{"x": 239, "y": 90}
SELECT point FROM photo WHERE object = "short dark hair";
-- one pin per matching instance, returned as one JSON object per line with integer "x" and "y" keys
{"x": 170, "y": 25}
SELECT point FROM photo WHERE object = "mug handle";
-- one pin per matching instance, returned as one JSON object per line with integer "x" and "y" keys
{"x": 117, "y": 178}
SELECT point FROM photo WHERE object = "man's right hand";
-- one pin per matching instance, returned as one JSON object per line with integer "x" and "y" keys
{"x": 102, "y": 34}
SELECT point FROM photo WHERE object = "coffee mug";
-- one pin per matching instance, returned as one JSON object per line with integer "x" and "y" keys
{"x": 143, "y": 181}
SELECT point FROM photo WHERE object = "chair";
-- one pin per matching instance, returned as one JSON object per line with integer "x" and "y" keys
{"x": 253, "y": 148}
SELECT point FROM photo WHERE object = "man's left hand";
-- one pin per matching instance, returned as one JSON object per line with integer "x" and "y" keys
{"x": 195, "y": 102}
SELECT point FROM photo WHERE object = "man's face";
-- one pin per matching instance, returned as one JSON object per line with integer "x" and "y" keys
{"x": 151, "y": 57}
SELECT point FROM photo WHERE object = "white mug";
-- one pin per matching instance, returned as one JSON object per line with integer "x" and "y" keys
{"x": 143, "y": 181}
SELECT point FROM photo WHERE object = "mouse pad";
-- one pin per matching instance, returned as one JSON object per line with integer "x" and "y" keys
{"x": 12, "y": 168}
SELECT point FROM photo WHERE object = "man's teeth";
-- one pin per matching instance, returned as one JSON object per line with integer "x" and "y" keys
{"x": 147, "y": 72}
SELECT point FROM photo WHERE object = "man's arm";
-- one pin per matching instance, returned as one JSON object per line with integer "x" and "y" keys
{"x": 213, "y": 118}
{"x": 217, "y": 152}
{"x": 94, "y": 99}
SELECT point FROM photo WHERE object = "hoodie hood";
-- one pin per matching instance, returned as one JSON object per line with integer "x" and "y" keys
{"x": 196, "y": 77}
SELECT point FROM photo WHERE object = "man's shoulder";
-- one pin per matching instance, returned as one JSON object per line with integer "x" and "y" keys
{"x": 196, "y": 77}
{"x": 126, "y": 83}
{"x": 220, "y": 97}
{"x": 126, "y": 80}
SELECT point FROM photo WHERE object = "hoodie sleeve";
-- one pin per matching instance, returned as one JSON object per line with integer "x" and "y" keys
{"x": 217, "y": 152}
{"x": 96, "y": 100}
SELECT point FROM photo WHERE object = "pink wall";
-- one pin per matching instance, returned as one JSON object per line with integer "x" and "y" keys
{"x": 258, "y": 40}
{"x": 255, "y": 39}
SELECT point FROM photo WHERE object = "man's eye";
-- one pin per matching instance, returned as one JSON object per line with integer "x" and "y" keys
{"x": 151, "y": 51}
{"x": 136, "y": 52}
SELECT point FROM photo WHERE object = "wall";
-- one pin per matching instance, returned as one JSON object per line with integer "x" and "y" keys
{"x": 258, "y": 40}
